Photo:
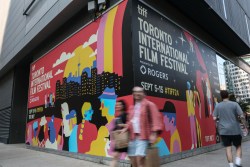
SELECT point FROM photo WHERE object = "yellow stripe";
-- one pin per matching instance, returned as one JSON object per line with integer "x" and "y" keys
{"x": 108, "y": 41}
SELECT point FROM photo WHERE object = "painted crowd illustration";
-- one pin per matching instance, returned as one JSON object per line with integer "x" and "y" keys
{"x": 76, "y": 113}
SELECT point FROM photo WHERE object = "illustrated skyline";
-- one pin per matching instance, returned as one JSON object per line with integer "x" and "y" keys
{"x": 85, "y": 85}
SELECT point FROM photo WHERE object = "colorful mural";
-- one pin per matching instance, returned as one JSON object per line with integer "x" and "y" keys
{"x": 179, "y": 74}
{"x": 73, "y": 89}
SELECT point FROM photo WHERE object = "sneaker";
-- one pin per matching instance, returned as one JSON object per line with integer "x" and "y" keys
{"x": 238, "y": 165}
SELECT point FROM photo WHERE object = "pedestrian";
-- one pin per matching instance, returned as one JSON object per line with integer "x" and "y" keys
{"x": 228, "y": 113}
{"x": 144, "y": 124}
{"x": 120, "y": 123}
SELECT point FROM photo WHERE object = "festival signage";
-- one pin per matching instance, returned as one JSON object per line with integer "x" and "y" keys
{"x": 166, "y": 57}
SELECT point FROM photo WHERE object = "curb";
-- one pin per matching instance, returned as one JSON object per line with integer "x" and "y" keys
{"x": 126, "y": 163}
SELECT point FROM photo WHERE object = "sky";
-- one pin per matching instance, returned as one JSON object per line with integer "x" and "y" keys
{"x": 4, "y": 10}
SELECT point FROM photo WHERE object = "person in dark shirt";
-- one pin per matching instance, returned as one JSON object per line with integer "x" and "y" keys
{"x": 120, "y": 122}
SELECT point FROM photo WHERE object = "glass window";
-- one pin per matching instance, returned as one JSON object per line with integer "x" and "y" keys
{"x": 235, "y": 80}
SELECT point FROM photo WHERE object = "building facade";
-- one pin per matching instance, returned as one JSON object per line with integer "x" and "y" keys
{"x": 237, "y": 80}
{"x": 62, "y": 68}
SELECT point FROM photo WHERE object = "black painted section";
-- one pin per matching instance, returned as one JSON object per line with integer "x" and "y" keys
{"x": 19, "y": 105}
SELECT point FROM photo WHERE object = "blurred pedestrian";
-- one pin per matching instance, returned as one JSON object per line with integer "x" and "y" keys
{"x": 144, "y": 123}
{"x": 120, "y": 123}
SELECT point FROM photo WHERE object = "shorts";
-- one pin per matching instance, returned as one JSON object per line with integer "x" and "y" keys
{"x": 121, "y": 150}
{"x": 137, "y": 147}
{"x": 228, "y": 140}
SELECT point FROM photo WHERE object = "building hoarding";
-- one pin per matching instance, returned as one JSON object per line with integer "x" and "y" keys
{"x": 73, "y": 88}
{"x": 180, "y": 75}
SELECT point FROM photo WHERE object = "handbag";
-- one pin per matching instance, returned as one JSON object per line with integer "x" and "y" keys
{"x": 152, "y": 157}
{"x": 121, "y": 139}
{"x": 152, "y": 154}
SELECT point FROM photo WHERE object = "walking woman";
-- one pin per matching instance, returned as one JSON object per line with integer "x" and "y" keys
{"x": 120, "y": 123}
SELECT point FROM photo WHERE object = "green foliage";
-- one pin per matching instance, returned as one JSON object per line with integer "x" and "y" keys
{"x": 245, "y": 105}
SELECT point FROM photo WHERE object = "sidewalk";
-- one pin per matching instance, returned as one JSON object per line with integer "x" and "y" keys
{"x": 19, "y": 156}
{"x": 212, "y": 159}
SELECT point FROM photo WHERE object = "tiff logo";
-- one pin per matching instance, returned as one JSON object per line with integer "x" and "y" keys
{"x": 142, "y": 11}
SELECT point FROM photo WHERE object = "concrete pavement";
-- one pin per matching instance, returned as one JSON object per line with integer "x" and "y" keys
{"x": 212, "y": 159}
{"x": 19, "y": 156}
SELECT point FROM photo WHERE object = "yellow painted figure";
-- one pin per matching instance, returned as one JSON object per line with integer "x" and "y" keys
{"x": 102, "y": 141}
{"x": 198, "y": 130}
{"x": 191, "y": 97}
